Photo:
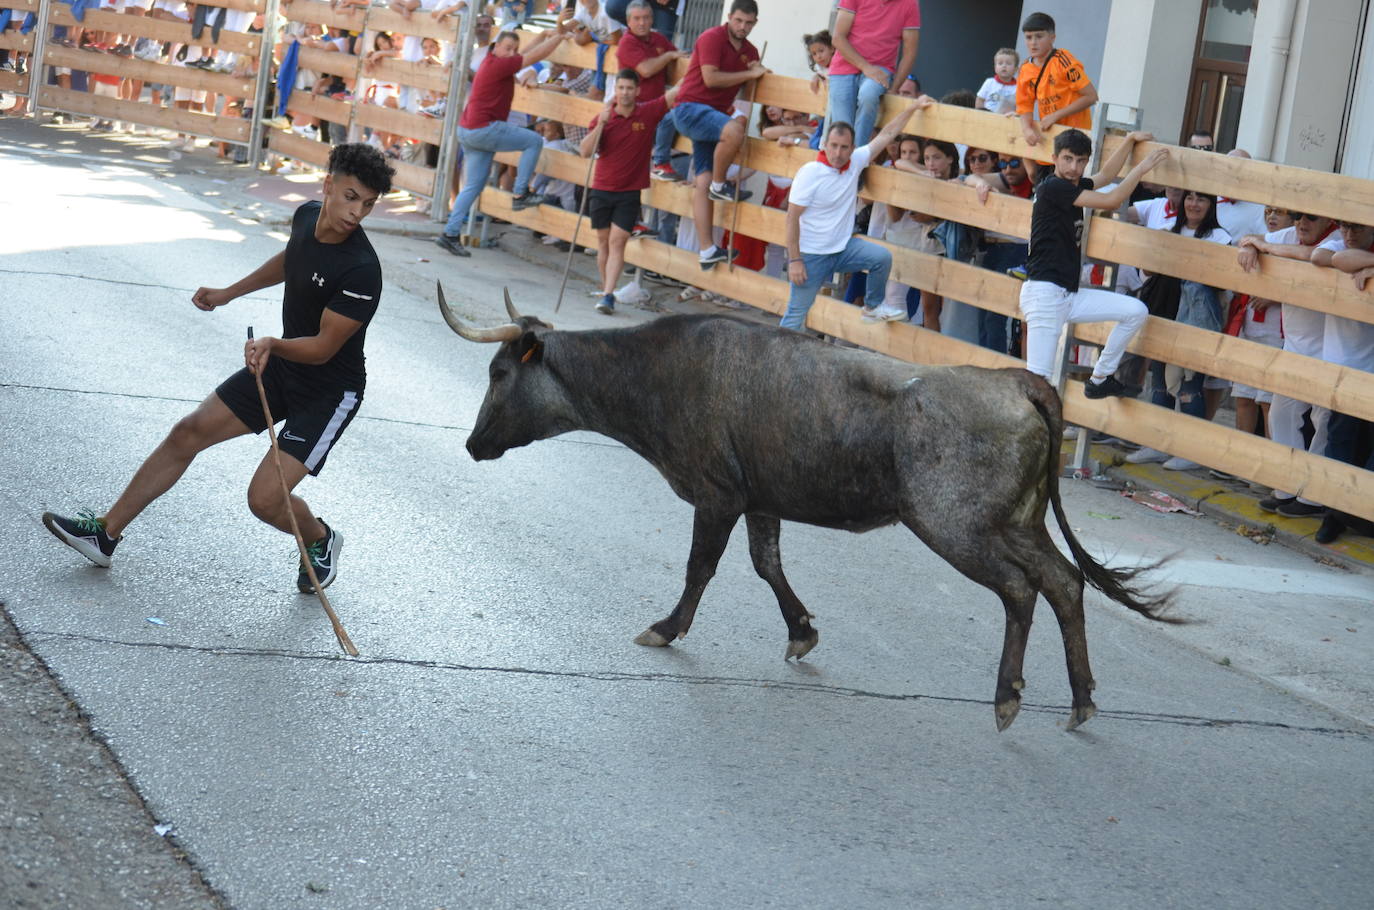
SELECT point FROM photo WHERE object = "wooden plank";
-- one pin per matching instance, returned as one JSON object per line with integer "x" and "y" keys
{"x": 405, "y": 72}
{"x": 20, "y": 7}
{"x": 410, "y": 177}
{"x": 161, "y": 29}
{"x": 11, "y": 40}
{"x": 163, "y": 73}
{"x": 303, "y": 102}
{"x": 421, "y": 23}
{"x": 1245, "y": 455}
{"x": 230, "y": 129}
{"x": 332, "y": 62}
{"x": 1296, "y": 188}
{"x": 391, "y": 120}
{"x": 1214, "y": 353}
{"x": 15, "y": 83}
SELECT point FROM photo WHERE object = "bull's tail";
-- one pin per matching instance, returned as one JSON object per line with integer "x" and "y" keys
{"x": 1118, "y": 584}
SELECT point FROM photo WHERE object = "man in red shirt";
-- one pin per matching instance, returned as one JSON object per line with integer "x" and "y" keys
{"x": 614, "y": 202}
{"x": 483, "y": 129}
{"x": 722, "y": 61}
{"x": 650, "y": 54}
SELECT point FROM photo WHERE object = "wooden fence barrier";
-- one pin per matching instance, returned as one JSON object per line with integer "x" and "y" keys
{"x": 415, "y": 178}
{"x": 13, "y": 40}
{"x": 1308, "y": 379}
{"x": 229, "y": 128}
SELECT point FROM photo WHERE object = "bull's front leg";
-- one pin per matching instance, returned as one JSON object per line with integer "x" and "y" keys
{"x": 763, "y": 549}
{"x": 710, "y": 534}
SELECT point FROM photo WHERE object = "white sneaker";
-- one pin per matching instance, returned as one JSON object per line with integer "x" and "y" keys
{"x": 884, "y": 313}
{"x": 1178, "y": 463}
{"x": 1146, "y": 455}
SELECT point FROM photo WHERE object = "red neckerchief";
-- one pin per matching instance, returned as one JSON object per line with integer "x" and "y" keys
{"x": 826, "y": 161}
{"x": 1001, "y": 81}
{"x": 1329, "y": 231}
{"x": 1169, "y": 210}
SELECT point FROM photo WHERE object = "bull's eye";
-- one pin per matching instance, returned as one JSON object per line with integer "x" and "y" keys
{"x": 499, "y": 374}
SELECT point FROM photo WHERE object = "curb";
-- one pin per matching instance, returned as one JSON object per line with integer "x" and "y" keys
{"x": 1221, "y": 501}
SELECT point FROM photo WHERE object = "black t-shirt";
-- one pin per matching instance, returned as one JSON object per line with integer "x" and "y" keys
{"x": 344, "y": 277}
{"x": 1056, "y": 228}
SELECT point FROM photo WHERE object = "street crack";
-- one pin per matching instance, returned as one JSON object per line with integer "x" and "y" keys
{"x": 799, "y": 686}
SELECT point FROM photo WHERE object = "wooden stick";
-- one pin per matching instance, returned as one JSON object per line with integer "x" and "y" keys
{"x": 581, "y": 209}
{"x": 743, "y": 162}
{"x": 344, "y": 641}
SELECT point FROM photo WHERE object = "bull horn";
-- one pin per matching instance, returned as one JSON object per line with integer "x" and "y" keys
{"x": 508, "y": 332}
{"x": 510, "y": 307}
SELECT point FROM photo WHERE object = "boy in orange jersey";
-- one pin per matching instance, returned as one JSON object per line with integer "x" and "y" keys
{"x": 1053, "y": 79}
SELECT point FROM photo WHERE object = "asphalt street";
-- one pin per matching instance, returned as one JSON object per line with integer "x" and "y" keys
{"x": 501, "y": 742}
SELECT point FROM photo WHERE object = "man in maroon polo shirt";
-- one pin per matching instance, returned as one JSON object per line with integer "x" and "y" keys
{"x": 483, "y": 129}
{"x": 619, "y": 177}
{"x": 650, "y": 54}
{"x": 722, "y": 61}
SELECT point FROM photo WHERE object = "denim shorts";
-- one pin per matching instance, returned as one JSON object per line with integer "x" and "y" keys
{"x": 702, "y": 124}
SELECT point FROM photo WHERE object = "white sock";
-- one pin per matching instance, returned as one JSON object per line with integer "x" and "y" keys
{"x": 718, "y": 187}
{"x": 708, "y": 252}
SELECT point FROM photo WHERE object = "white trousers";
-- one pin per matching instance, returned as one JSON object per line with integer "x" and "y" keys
{"x": 1046, "y": 307}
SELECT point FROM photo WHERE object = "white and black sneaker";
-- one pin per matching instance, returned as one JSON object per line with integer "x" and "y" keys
{"x": 324, "y": 559}
{"x": 85, "y": 534}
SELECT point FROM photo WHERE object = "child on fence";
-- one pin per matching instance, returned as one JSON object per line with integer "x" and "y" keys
{"x": 1051, "y": 297}
{"x": 1052, "y": 80}
{"x": 998, "y": 92}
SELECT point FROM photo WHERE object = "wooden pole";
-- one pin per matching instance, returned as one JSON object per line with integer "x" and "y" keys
{"x": 344, "y": 641}
{"x": 582, "y": 206}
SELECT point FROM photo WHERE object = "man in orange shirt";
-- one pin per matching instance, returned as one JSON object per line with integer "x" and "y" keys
{"x": 1054, "y": 79}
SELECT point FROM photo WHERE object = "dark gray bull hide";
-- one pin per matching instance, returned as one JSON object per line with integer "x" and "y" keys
{"x": 745, "y": 419}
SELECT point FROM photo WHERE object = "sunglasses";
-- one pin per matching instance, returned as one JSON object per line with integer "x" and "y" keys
{"x": 1010, "y": 162}
{"x": 981, "y": 159}
{"x": 1351, "y": 226}
{"x": 1201, "y": 148}
{"x": 1299, "y": 216}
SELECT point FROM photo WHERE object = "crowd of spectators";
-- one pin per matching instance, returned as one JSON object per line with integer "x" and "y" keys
{"x": 870, "y": 51}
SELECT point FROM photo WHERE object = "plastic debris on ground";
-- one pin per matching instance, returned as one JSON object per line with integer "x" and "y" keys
{"x": 1159, "y": 501}
{"x": 162, "y": 830}
{"x": 157, "y": 622}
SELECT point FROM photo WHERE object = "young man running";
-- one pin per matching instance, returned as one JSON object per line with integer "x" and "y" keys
{"x": 1050, "y": 295}
{"x": 314, "y": 374}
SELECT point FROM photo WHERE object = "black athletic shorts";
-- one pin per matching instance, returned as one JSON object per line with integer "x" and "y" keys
{"x": 607, "y": 208}
{"x": 314, "y": 421}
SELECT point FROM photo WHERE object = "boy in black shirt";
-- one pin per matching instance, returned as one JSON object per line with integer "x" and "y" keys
{"x": 313, "y": 375}
{"x": 1050, "y": 296}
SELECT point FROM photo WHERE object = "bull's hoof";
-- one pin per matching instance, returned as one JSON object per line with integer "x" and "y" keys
{"x": 1081, "y": 714}
{"x": 1006, "y": 712}
{"x": 652, "y": 638}
{"x": 800, "y": 647}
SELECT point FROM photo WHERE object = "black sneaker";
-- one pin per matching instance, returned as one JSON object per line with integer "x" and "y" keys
{"x": 1271, "y": 503}
{"x": 85, "y": 534}
{"x": 527, "y": 200}
{"x": 1295, "y": 508}
{"x": 727, "y": 193}
{"x": 1111, "y": 387}
{"x": 324, "y": 558}
{"x": 1332, "y": 527}
{"x": 453, "y": 244}
{"x": 707, "y": 262}
{"x": 606, "y": 304}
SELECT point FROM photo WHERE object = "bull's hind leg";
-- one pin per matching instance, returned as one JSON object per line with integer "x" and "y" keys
{"x": 1062, "y": 585}
{"x": 763, "y": 549}
{"x": 1018, "y": 599}
{"x": 710, "y": 534}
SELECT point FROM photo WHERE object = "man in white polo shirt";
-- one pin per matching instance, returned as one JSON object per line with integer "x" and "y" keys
{"x": 820, "y": 217}
{"x": 1350, "y": 343}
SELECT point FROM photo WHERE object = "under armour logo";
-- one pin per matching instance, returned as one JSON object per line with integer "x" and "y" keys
{"x": 315, "y": 277}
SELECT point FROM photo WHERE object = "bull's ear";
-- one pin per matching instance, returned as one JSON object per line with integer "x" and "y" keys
{"x": 529, "y": 348}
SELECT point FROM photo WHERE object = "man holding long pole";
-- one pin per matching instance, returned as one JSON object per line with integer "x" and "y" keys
{"x": 314, "y": 374}
{"x": 627, "y": 128}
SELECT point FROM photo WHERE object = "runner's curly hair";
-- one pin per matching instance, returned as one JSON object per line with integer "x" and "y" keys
{"x": 367, "y": 164}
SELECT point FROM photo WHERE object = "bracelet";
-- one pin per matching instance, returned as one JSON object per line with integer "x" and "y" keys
{"x": 790, "y": 261}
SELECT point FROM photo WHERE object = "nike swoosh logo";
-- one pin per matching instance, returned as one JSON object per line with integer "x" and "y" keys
{"x": 287, "y": 434}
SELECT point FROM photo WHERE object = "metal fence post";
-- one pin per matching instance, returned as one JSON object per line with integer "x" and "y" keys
{"x": 269, "y": 42}
{"x": 457, "y": 96}
{"x": 38, "y": 71}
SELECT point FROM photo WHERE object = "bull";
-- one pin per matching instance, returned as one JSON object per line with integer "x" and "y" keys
{"x": 753, "y": 420}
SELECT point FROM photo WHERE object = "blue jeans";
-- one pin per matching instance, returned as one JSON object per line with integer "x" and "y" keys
{"x": 663, "y": 139}
{"x": 854, "y": 99}
{"x": 992, "y": 327}
{"x": 858, "y": 256}
{"x": 1190, "y": 398}
{"x": 479, "y": 147}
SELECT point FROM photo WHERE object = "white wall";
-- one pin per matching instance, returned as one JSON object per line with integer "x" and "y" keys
{"x": 1147, "y": 61}
{"x": 782, "y": 24}
{"x": 1357, "y": 158}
